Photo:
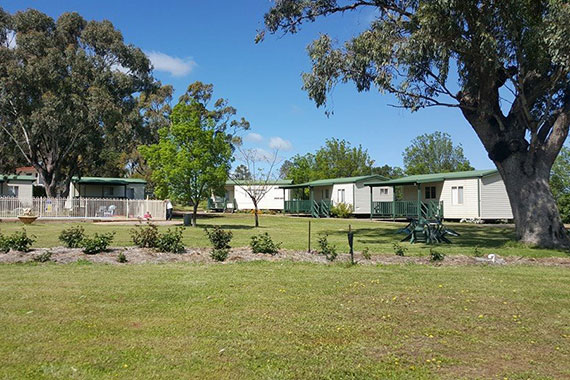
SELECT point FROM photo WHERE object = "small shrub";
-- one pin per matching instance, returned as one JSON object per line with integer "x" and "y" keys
{"x": 327, "y": 249}
{"x": 477, "y": 252}
{"x": 171, "y": 241}
{"x": 20, "y": 241}
{"x": 4, "y": 244}
{"x": 341, "y": 210}
{"x": 43, "y": 258}
{"x": 399, "y": 250}
{"x": 263, "y": 244}
{"x": 72, "y": 237}
{"x": 219, "y": 254}
{"x": 122, "y": 258}
{"x": 366, "y": 253}
{"x": 435, "y": 256}
{"x": 97, "y": 243}
{"x": 219, "y": 238}
{"x": 145, "y": 236}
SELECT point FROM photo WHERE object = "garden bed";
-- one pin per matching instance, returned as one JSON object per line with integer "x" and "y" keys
{"x": 136, "y": 255}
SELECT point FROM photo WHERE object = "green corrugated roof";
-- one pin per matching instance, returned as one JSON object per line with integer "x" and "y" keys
{"x": 108, "y": 180}
{"x": 11, "y": 177}
{"x": 276, "y": 182}
{"x": 335, "y": 181}
{"x": 436, "y": 177}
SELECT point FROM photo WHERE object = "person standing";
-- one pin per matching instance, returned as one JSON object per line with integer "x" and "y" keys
{"x": 168, "y": 209}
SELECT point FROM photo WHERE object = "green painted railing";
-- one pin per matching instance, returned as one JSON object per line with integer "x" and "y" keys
{"x": 298, "y": 206}
{"x": 408, "y": 209}
{"x": 301, "y": 206}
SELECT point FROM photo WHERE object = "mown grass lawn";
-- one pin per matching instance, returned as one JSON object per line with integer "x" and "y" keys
{"x": 283, "y": 321}
{"x": 378, "y": 237}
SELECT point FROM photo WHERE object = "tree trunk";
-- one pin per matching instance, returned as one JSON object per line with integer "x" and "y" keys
{"x": 194, "y": 214}
{"x": 537, "y": 220}
{"x": 525, "y": 170}
{"x": 256, "y": 215}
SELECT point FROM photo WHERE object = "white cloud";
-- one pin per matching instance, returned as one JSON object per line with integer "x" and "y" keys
{"x": 253, "y": 137}
{"x": 175, "y": 66}
{"x": 281, "y": 144}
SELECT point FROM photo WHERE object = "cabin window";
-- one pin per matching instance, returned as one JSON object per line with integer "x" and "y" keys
{"x": 383, "y": 191}
{"x": 341, "y": 195}
{"x": 457, "y": 195}
{"x": 13, "y": 191}
{"x": 430, "y": 192}
{"x": 108, "y": 191}
{"x": 326, "y": 194}
{"x": 131, "y": 193}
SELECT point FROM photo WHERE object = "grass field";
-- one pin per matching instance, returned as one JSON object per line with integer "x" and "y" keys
{"x": 378, "y": 237}
{"x": 283, "y": 321}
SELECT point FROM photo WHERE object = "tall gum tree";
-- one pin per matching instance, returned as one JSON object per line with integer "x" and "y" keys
{"x": 66, "y": 87}
{"x": 519, "y": 47}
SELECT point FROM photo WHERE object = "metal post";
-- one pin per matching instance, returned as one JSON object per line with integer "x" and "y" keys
{"x": 351, "y": 243}
{"x": 309, "y": 248}
{"x": 127, "y": 208}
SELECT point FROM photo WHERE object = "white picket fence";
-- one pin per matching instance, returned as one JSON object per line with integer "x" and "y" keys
{"x": 84, "y": 208}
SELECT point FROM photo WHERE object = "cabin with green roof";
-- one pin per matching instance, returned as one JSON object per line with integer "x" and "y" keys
{"x": 17, "y": 186}
{"x": 236, "y": 195}
{"x": 475, "y": 194}
{"x": 325, "y": 193}
{"x": 106, "y": 187}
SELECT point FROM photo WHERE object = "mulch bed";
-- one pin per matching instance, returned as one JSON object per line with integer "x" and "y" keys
{"x": 136, "y": 255}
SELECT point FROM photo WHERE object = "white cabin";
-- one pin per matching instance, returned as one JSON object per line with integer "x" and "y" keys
{"x": 326, "y": 193}
{"x": 237, "y": 198}
{"x": 475, "y": 194}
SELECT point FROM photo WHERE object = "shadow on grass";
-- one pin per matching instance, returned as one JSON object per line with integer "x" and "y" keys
{"x": 471, "y": 236}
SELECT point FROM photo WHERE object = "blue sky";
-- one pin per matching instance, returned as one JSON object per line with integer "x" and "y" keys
{"x": 213, "y": 41}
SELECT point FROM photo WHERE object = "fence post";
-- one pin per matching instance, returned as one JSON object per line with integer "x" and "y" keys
{"x": 309, "y": 248}
{"x": 127, "y": 208}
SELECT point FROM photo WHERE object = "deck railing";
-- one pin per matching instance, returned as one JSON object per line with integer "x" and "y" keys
{"x": 85, "y": 208}
{"x": 303, "y": 206}
{"x": 407, "y": 209}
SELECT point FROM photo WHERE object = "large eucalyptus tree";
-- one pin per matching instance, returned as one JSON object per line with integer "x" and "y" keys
{"x": 67, "y": 87}
{"x": 516, "y": 47}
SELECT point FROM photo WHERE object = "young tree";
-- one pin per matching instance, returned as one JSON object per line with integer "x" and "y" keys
{"x": 339, "y": 159}
{"x": 434, "y": 153}
{"x": 409, "y": 50}
{"x": 67, "y": 87}
{"x": 194, "y": 153}
{"x": 262, "y": 177}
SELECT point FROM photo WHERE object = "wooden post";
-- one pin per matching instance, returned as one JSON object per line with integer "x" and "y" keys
{"x": 309, "y": 246}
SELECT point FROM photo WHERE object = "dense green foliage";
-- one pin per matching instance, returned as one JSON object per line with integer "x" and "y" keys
{"x": 434, "y": 153}
{"x": 337, "y": 158}
{"x": 220, "y": 240}
{"x": 72, "y": 237}
{"x": 97, "y": 243}
{"x": 193, "y": 156}
{"x": 17, "y": 241}
{"x": 69, "y": 94}
{"x": 145, "y": 235}
{"x": 171, "y": 241}
{"x": 560, "y": 183}
{"x": 341, "y": 210}
{"x": 263, "y": 243}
